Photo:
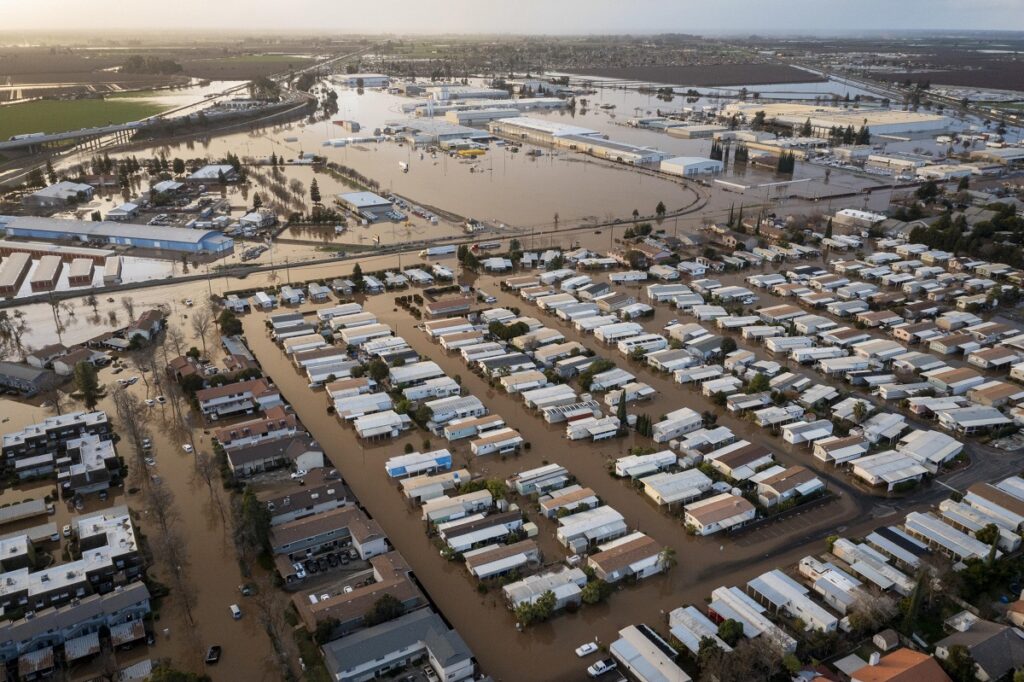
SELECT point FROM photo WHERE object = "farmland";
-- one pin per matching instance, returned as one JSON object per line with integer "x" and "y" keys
{"x": 55, "y": 116}
{"x": 245, "y": 66}
{"x": 710, "y": 75}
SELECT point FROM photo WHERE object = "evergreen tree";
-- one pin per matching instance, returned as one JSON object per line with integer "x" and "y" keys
{"x": 87, "y": 384}
{"x": 257, "y": 201}
{"x": 828, "y": 228}
{"x": 51, "y": 175}
{"x": 314, "y": 192}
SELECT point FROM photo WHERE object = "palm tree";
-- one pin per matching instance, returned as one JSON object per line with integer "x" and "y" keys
{"x": 667, "y": 558}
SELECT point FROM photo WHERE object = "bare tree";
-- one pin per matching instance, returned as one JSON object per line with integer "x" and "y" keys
{"x": 12, "y": 329}
{"x": 871, "y": 610}
{"x": 131, "y": 413}
{"x": 112, "y": 318}
{"x": 176, "y": 338}
{"x": 144, "y": 359}
{"x": 93, "y": 303}
{"x": 205, "y": 471}
{"x": 202, "y": 325}
{"x": 128, "y": 303}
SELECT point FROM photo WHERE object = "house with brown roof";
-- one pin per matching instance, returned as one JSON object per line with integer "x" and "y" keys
{"x": 274, "y": 424}
{"x": 445, "y": 307}
{"x": 330, "y": 530}
{"x": 721, "y": 512}
{"x": 243, "y": 397}
{"x": 147, "y": 325}
{"x": 634, "y": 555}
{"x": 65, "y": 365}
{"x": 786, "y": 484}
{"x": 391, "y": 576}
{"x": 902, "y": 665}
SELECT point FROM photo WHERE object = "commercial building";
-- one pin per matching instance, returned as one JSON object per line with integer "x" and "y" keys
{"x": 58, "y": 195}
{"x": 366, "y": 204}
{"x": 690, "y": 166}
{"x": 153, "y": 237}
{"x": 824, "y": 118}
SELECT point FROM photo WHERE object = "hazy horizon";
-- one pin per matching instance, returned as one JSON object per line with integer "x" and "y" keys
{"x": 526, "y": 17}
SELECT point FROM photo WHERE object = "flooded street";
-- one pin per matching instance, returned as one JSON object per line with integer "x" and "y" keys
{"x": 704, "y": 564}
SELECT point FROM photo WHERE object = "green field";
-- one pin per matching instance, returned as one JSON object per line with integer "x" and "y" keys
{"x": 54, "y": 116}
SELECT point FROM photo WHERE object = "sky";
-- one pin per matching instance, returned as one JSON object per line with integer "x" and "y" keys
{"x": 513, "y": 16}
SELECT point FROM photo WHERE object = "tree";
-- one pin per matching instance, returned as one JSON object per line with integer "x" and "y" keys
{"x": 386, "y": 608}
{"x": 964, "y": 184}
{"x": 620, "y": 410}
{"x": 556, "y": 220}
{"x": 828, "y": 228}
{"x": 872, "y": 611}
{"x": 257, "y": 201}
{"x": 35, "y": 178}
{"x": 12, "y": 328}
{"x": 128, "y": 303}
{"x": 87, "y": 383}
{"x": 860, "y": 411}
{"x": 51, "y": 175}
{"x": 229, "y": 323}
{"x": 594, "y": 592}
{"x": 806, "y": 130}
{"x": 667, "y": 558}
{"x": 202, "y": 320}
{"x": 178, "y": 166}
{"x": 759, "y": 384}
{"x": 378, "y": 370}
{"x": 659, "y": 210}
{"x": 728, "y": 345}
{"x": 730, "y": 631}
{"x": 928, "y": 191}
{"x": 357, "y": 276}
{"x": 914, "y": 606}
{"x": 959, "y": 664}
{"x": 636, "y": 213}
{"x": 314, "y": 192}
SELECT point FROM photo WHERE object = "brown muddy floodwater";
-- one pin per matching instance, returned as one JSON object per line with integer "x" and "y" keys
{"x": 483, "y": 621}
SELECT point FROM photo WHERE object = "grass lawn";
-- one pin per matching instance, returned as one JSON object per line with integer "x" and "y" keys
{"x": 54, "y": 116}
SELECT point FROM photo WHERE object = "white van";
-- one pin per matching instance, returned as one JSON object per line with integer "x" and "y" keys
{"x": 236, "y": 612}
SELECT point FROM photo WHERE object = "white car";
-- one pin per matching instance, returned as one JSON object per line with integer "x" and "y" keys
{"x": 670, "y": 323}
{"x": 187, "y": 448}
{"x": 188, "y": 302}
{"x": 67, "y": 531}
{"x": 586, "y": 649}
{"x": 150, "y": 462}
{"x": 160, "y": 399}
{"x": 602, "y": 666}
{"x": 150, "y": 402}
{"x": 146, "y": 444}
{"x": 299, "y": 473}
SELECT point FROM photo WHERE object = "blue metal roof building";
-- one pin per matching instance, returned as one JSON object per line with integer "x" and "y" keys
{"x": 153, "y": 237}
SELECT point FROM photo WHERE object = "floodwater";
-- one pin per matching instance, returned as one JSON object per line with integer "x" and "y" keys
{"x": 187, "y": 96}
{"x": 212, "y": 568}
{"x": 704, "y": 564}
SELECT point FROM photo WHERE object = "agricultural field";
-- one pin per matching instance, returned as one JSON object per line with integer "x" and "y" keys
{"x": 245, "y": 66}
{"x": 710, "y": 75}
{"x": 50, "y": 116}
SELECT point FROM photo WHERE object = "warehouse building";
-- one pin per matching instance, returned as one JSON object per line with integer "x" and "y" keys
{"x": 153, "y": 237}
{"x": 689, "y": 166}
{"x": 367, "y": 204}
{"x": 824, "y": 118}
{"x": 58, "y": 195}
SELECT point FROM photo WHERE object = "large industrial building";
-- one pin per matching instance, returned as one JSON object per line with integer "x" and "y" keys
{"x": 367, "y": 204}
{"x": 152, "y": 237}
{"x": 689, "y": 166}
{"x": 823, "y": 118}
{"x": 573, "y": 138}
{"x": 365, "y": 80}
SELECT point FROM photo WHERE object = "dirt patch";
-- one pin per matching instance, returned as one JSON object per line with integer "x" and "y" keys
{"x": 714, "y": 74}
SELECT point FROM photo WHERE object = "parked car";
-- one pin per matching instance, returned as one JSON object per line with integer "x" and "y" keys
{"x": 150, "y": 402}
{"x": 236, "y": 612}
{"x": 187, "y": 448}
{"x": 602, "y": 666}
{"x": 66, "y": 531}
{"x": 146, "y": 444}
{"x": 160, "y": 399}
{"x": 247, "y": 589}
{"x": 429, "y": 673}
{"x": 299, "y": 473}
{"x": 213, "y": 655}
{"x": 586, "y": 649}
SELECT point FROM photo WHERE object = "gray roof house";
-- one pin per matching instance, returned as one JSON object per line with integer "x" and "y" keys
{"x": 394, "y": 644}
